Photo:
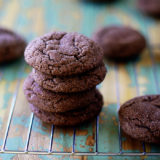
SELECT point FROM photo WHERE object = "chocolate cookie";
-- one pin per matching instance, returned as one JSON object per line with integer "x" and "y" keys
{"x": 12, "y": 45}
{"x": 151, "y": 7}
{"x": 56, "y": 102}
{"x": 61, "y": 54}
{"x": 140, "y": 118}
{"x": 70, "y": 118}
{"x": 70, "y": 84}
{"x": 120, "y": 42}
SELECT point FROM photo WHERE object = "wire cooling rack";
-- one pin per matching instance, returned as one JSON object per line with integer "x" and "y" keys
{"x": 73, "y": 152}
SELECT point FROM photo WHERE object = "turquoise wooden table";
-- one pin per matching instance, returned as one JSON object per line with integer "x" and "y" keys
{"x": 23, "y": 136}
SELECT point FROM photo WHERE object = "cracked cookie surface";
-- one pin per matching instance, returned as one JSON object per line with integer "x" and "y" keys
{"x": 56, "y": 102}
{"x": 71, "y": 118}
{"x": 140, "y": 118}
{"x": 75, "y": 83}
{"x": 12, "y": 45}
{"x": 61, "y": 53}
{"x": 119, "y": 42}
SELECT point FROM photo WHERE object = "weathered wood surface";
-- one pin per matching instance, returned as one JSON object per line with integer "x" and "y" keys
{"x": 34, "y": 18}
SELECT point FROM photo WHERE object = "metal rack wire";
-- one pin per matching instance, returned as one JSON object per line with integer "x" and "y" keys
{"x": 97, "y": 152}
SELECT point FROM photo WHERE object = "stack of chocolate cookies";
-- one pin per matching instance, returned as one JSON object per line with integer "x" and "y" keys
{"x": 62, "y": 86}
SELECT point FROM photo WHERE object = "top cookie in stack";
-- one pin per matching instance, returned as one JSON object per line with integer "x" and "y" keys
{"x": 59, "y": 54}
{"x": 65, "y": 63}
